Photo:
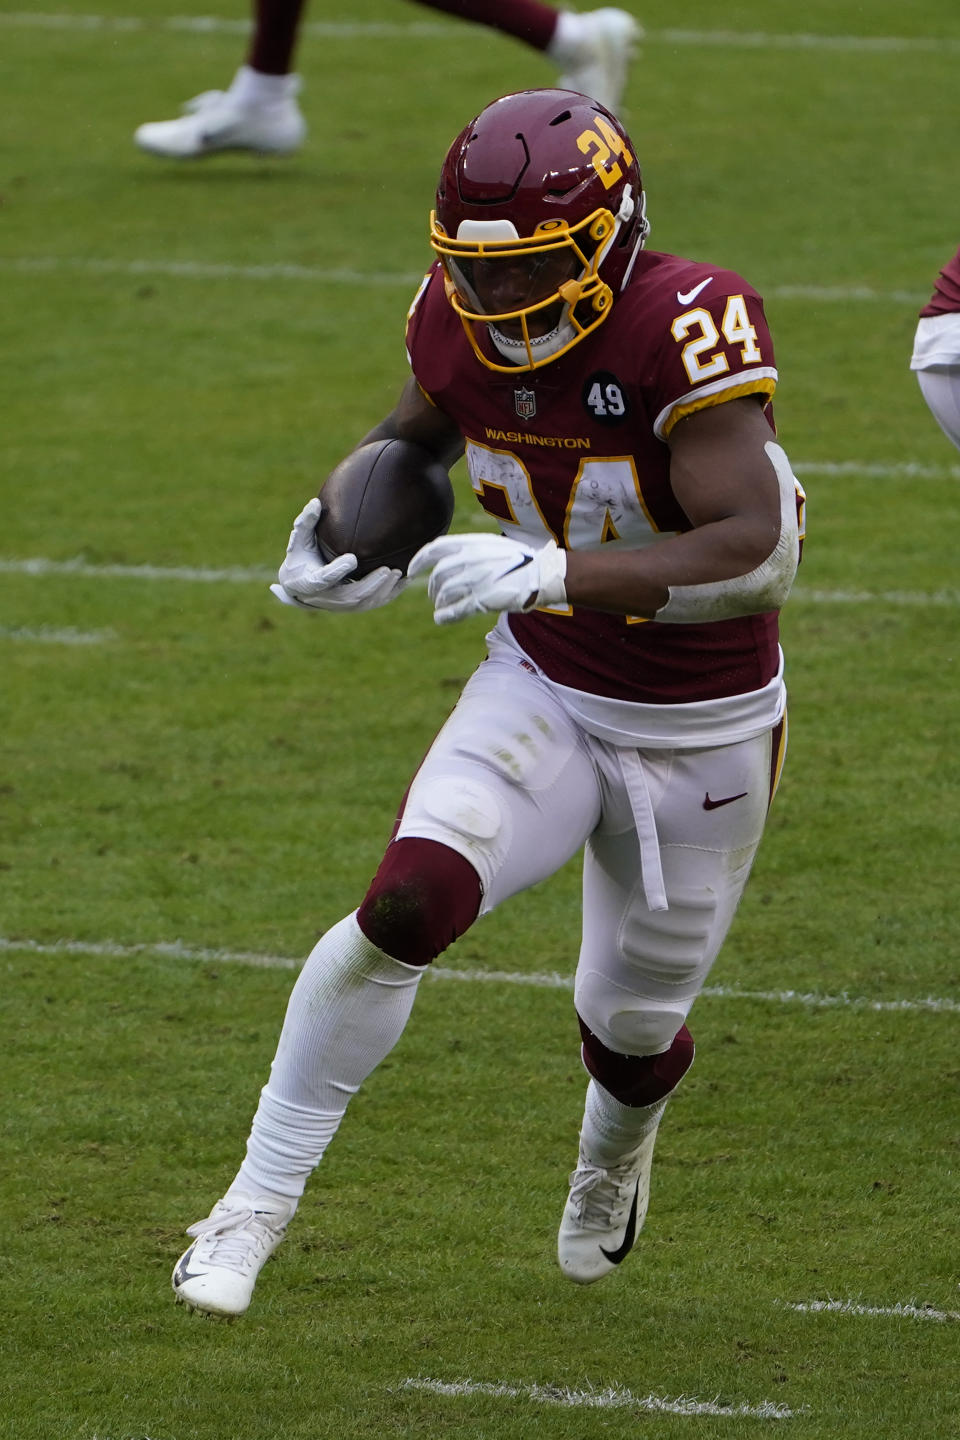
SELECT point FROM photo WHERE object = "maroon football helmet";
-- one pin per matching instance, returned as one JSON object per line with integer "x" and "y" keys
{"x": 540, "y": 212}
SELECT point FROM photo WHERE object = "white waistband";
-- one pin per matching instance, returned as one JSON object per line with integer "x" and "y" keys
{"x": 691, "y": 726}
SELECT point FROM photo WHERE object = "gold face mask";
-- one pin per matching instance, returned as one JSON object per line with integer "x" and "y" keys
{"x": 539, "y": 295}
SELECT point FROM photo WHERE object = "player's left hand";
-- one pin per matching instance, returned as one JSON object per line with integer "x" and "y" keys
{"x": 481, "y": 574}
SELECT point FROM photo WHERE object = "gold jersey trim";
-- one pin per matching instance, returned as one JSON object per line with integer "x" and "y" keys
{"x": 705, "y": 401}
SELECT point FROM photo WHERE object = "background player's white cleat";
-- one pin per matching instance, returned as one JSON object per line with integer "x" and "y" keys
{"x": 593, "y": 52}
{"x": 221, "y": 120}
{"x": 216, "y": 1275}
{"x": 604, "y": 1213}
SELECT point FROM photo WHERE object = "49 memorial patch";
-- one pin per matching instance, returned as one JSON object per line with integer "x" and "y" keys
{"x": 604, "y": 398}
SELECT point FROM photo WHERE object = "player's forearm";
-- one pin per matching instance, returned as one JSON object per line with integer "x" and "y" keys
{"x": 639, "y": 582}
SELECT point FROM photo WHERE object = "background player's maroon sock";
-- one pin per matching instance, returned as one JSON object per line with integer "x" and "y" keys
{"x": 528, "y": 20}
{"x": 274, "y": 39}
{"x": 277, "y": 23}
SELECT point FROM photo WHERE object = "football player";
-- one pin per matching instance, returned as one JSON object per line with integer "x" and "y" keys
{"x": 614, "y": 407}
{"x": 936, "y": 350}
{"x": 259, "y": 111}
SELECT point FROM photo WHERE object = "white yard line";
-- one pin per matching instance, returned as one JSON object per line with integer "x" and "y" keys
{"x": 770, "y": 40}
{"x": 927, "y": 598}
{"x": 865, "y": 469}
{"x": 400, "y": 279}
{"x": 47, "y": 635}
{"x": 548, "y": 980}
{"x": 810, "y": 999}
{"x": 167, "y": 950}
{"x": 842, "y": 294}
{"x": 910, "y": 1310}
{"x": 208, "y": 270}
{"x": 612, "y": 1398}
{"x": 38, "y": 567}
{"x": 217, "y": 25}
{"x": 414, "y": 30}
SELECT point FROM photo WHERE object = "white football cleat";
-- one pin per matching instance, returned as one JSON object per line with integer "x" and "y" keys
{"x": 593, "y": 51}
{"x": 218, "y": 120}
{"x": 216, "y": 1275}
{"x": 604, "y": 1213}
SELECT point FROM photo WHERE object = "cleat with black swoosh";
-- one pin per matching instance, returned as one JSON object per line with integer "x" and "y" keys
{"x": 604, "y": 1213}
{"x": 218, "y": 120}
{"x": 216, "y": 1274}
{"x": 593, "y": 51}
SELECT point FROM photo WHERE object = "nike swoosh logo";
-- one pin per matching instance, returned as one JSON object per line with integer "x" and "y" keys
{"x": 623, "y": 1249}
{"x": 182, "y": 1274}
{"x": 686, "y": 296}
{"x": 527, "y": 560}
{"x": 709, "y": 804}
{"x": 208, "y": 138}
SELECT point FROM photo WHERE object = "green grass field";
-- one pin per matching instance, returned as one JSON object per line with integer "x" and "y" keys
{"x": 194, "y": 782}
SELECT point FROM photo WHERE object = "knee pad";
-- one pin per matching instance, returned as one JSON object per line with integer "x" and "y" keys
{"x": 637, "y": 1079}
{"x": 626, "y": 1022}
{"x": 422, "y": 898}
{"x": 461, "y": 814}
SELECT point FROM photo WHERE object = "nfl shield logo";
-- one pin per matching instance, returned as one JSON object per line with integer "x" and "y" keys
{"x": 525, "y": 402}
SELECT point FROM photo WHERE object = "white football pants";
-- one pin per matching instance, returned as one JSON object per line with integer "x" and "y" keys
{"x": 517, "y": 787}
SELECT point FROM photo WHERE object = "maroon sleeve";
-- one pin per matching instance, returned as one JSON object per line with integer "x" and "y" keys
{"x": 432, "y": 327}
{"x": 710, "y": 353}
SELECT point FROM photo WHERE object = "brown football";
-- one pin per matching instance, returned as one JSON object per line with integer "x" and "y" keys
{"x": 382, "y": 503}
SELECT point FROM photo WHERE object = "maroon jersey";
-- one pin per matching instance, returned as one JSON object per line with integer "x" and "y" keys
{"x": 576, "y": 450}
{"x": 946, "y": 295}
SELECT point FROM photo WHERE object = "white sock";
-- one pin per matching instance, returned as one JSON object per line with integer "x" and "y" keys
{"x": 345, "y": 1013}
{"x": 567, "y": 41}
{"x": 252, "y": 87}
{"x": 611, "y": 1130}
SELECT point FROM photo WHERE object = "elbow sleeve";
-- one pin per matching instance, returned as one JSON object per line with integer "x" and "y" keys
{"x": 764, "y": 588}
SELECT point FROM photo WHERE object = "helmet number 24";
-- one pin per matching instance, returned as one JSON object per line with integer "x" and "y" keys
{"x": 606, "y": 143}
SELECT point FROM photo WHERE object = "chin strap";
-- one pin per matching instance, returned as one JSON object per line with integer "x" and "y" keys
{"x": 540, "y": 348}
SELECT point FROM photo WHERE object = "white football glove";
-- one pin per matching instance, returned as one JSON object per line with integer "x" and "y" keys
{"x": 480, "y": 574}
{"x": 306, "y": 582}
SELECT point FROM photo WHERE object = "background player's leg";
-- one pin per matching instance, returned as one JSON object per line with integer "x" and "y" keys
{"x": 527, "y": 20}
{"x": 276, "y": 28}
{"x": 258, "y": 111}
{"x": 592, "y": 50}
